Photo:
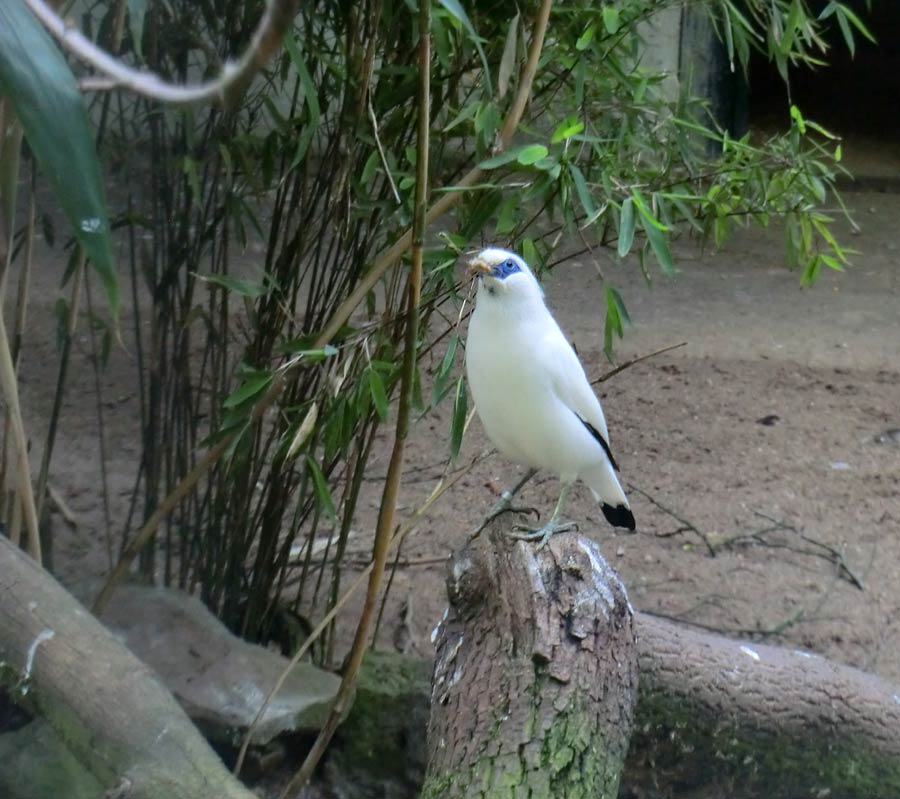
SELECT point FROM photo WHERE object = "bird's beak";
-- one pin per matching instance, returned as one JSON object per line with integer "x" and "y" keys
{"x": 477, "y": 268}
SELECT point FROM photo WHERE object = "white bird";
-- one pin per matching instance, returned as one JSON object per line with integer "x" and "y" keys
{"x": 531, "y": 392}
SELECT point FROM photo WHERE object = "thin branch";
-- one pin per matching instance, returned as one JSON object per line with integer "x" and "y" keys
{"x": 225, "y": 89}
{"x": 384, "y": 162}
{"x": 821, "y": 550}
{"x": 684, "y": 522}
{"x": 622, "y": 367}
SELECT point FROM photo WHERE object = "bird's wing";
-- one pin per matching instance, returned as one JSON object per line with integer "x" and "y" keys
{"x": 571, "y": 384}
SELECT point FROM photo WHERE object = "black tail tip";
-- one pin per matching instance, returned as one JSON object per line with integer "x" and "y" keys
{"x": 618, "y": 516}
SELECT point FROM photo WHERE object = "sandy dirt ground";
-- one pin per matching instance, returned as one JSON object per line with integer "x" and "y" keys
{"x": 768, "y": 435}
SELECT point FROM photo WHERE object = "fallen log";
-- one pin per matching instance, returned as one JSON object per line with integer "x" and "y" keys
{"x": 535, "y": 678}
{"x": 108, "y": 707}
{"x": 757, "y": 720}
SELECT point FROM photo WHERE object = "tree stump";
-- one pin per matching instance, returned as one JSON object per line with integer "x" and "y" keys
{"x": 535, "y": 681}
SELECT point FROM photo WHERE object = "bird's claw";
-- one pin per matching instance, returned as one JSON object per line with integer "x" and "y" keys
{"x": 542, "y": 534}
{"x": 501, "y": 506}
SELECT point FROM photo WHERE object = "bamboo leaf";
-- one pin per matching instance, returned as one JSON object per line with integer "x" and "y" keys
{"x": 508, "y": 60}
{"x": 581, "y": 189}
{"x": 251, "y": 386}
{"x": 38, "y": 83}
{"x": 660, "y": 247}
{"x": 137, "y": 11}
{"x": 626, "y": 227}
{"x": 379, "y": 395}
{"x": 460, "y": 406}
{"x": 326, "y": 503}
{"x": 567, "y": 129}
{"x": 531, "y": 153}
{"x": 303, "y": 431}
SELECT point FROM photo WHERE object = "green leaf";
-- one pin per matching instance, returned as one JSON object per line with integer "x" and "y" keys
{"x": 660, "y": 247}
{"x": 531, "y": 153}
{"x": 645, "y": 211}
{"x": 456, "y": 9}
{"x": 626, "y": 227}
{"x": 529, "y": 253}
{"x": 508, "y": 60}
{"x": 617, "y": 319}
{"x": 36, "y": 79}
{"x": 254, "y": 384}
{"x": 506, "y": 157}
{"x": 137, "y": 11}
{"x": 567, "y": 129}
{"x": 611, "y": 19}
{"x": 586, "y": 38}
{"x": 379, "y": 395}
{"x": 581, "y": 189}
{"x": 457, "y": 427}
{"x": 237, "y": 285}
{"x": 326, "y": 504}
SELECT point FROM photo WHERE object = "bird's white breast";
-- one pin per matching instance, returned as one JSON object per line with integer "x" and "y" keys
{"x": 515, "y": 396}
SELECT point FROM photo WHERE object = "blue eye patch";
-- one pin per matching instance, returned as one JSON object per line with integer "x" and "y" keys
{"x": 506, "y": 268}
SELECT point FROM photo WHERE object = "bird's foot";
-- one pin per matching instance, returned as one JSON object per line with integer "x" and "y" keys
{"x": 501, "y": 506}
{"x": 542, "y": 534}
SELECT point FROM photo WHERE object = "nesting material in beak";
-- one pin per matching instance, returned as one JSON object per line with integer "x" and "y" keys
{"x": 478, "y": 267}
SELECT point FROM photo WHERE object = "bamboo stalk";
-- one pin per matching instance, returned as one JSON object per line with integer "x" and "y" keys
{"x": 388, "y": 507}
{"x": 10, "y": 388}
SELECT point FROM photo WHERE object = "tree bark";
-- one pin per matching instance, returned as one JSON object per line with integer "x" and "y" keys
{"x": 107, "y": 706}
{"x": 536, "y": 674}
{"x": 756, "y": 720}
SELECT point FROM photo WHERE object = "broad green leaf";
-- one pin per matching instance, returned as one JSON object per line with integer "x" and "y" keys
{"x": 379, "y": 395}
{"x": 529, "y": 253}
{"x": 611, "y": 19}
{"x": 326, "y": 503}
{"x": 586, "y": 38}
{"x": 252, "y": 385}
{"x": 567, "y": 129}
{"x": 38, "y": 83}
{"x": 531, "y": 153}
{"x": 460, "y": 406}
{"x": 506, "y": 157}
{"x": 626, "y": 227}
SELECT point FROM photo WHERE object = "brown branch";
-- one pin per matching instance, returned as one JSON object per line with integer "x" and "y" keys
{"x": 225, "y": 89}
{"x": 684, "y": 522}
{"x": 622, "y": 367}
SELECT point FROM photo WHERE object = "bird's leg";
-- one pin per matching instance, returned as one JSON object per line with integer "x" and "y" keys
{"x": 544, "y": 533}
{"x": 504, "y": 504}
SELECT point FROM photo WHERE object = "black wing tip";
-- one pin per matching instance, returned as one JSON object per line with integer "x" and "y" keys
{"x": 619, "y": 516}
